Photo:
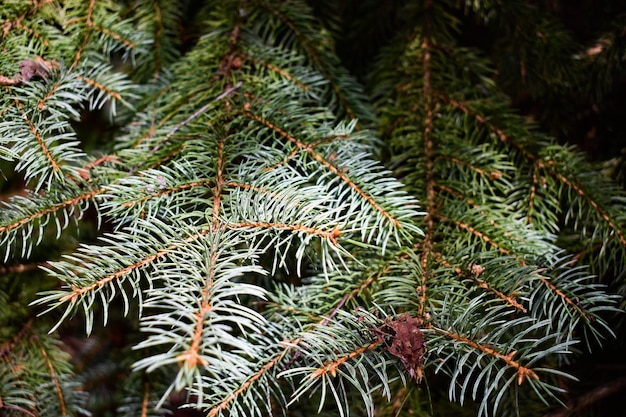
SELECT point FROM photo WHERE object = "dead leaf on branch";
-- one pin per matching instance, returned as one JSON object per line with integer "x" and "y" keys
{"x": 29, "y": 69}
{"x": 402, "y": 337}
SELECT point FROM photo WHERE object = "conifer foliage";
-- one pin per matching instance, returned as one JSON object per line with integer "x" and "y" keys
{"x": 249, "y": 232}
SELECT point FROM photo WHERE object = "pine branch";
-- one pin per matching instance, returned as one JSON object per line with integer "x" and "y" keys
{"x": 35, "y": 374}
{"x": 328, "y": 165}
{"x": 469, "y": 158}
{"x": 263, "y": 258}
{"x": 31, "y": 217}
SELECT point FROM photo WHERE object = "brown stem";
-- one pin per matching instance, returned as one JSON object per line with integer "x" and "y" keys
{"x": 429, "y": 156}
{"x": 583, "y": 401}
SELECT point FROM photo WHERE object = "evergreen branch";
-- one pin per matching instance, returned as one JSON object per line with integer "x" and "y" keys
{"x": 97, "y": 85}
{"x": 482, "y": 236}
{"x": 14, "y": 393}
{"x": 29, "y": 216}
{"x": 157, "y": 184}
{"x": 585, "y": 252}
{"x": 6, "y": 81}
{"x": 77, "y": 291}
{"x": 192, "y": 357}
{"x": 219, "y": 184}
{"x": 569, "y": 301}
{"x": 522, "y": 372}
{"x": 343, "y": 343}
{"x": 90, "y": 13}
{"x": 162, "y": 23}
{"x": 124, "y": 200}
{"x": 86, "y": 34}
{"x": 458, "y": 195}
{"x": 357, "y": 289}
{"x": 27, "y": 128}
{"x": 276, "y": 69}
{"x": 328, "y": 140}
{"x": 293, "y": 153}
{"x": 242, "y": 169}
{"x": 313, "y": 53}
{"x": 481, "y": 344}
{"x": 17, "y": 23}
{"x": 599, "y": 209}
{"x": 29, "y": 69}
{"x": 501, "y": 134}
{"x": 330, "y": 235}
{"x": 531, "y": 197}
{"x": 347, "y": 297}
{"x": 57, "y": 384}
{"x": 42, "y": 101}
{"x": 312, "y": 145}
{"x": 507, "y": 298}
{"x": 166, "y": 191}
{"x": 293, "y": 344}
{"x": 223, "y": 405}
{"x": 9, "y": 346}
{"x": 38, "y": 138}
{"x": 493, "y": 175}
{"x": 89, "y": 81}
{"x": 547, "y": 167}
{"x": 38, "y": 384}
{"x": 429, "y": 156}
{"x": 109, "y": 86}
{"x": 155, "y": 161}
{"x": 319, "y": 158}
{"x": 190, "y": 118}
{"x": 74, "y": 201}
{"x": 127, "y": 42}
{"x": 210, "y": 291}
{"x": 489, "y": 217}
{"x": 331, "y": 366}
{"x": 85, "y": 171}
{"x": 251, "y": 187}
{"x": 475, "y": 271}
{"x": 6, "y": 108}
{"x": 149, "y": 132}
{"x": 555, "y": 290}
{"x": 141, "y": 395}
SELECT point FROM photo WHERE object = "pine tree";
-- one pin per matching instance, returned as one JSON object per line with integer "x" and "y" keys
{"x": 206, "y": 208}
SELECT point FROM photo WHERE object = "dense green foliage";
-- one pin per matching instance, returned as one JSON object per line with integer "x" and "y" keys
{"x": 256, "y": 207}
